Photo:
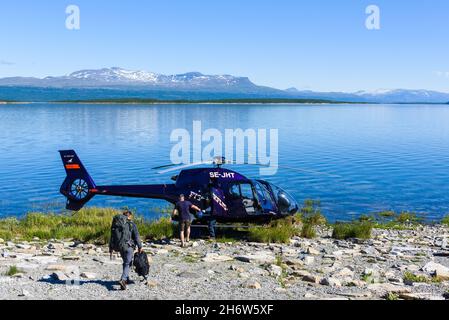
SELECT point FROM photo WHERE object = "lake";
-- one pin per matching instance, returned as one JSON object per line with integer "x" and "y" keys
{"x": 357, "y": 159}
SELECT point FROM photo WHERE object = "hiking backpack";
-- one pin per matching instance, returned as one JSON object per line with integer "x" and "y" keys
{"x": 141, "y": 264}
{"x": 120, "y": 233}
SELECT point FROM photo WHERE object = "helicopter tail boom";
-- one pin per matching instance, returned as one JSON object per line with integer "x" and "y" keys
{"x": 78, "y": 186}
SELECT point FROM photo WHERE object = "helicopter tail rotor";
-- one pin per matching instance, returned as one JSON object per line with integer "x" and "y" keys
{"x": 78, "y": 186}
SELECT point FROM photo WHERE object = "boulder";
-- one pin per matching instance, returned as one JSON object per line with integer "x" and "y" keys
{"x": 88, "y": 275}
{"x": 331, "y": 281}
{"x": 313, "y": 251}
{"x": 253, "y": 285}
{"x": 56, "y": 267}
{"x": 24, "y": 246}
{"x": 259, "y": 257}
{"x": 308, "y": 260}
{"x": 60, "y": 276}
{"x": 345, "y": 272}
{"x": 274, "y": 270}
{"x": 43, "y": 260}
{"x": 436, "y": 269}
{"x": 215, "y": 257}
{"x": 55, "y": 246}
{"x": 25, "y": 267}
{"x": 2, "y": 240}
{"x": 311, "y": 278}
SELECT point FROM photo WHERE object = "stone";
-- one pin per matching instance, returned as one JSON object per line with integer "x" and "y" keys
{"x": 151, "y": 283}
{"x": 25, "y": 267}
{"x": 55, "y": 246}
{"x": 311, "y": 278}
{"x": 345, "y": 272}
{"x": 24, "y": 293}
{"x": 244, "y": 275}
{"x": 308, "y": 260}
{"x": 72, "y": 257}
{"x": 370, "y": 251}
{"x": 293, "y": 262}
{"x": 253, "y": 285}
{"x": 88, "y": 275}
{"x": 420, "y": 296}
{"x": 355, "y": 283}
{"x": 43, "y": 260}
{"x": 60, "y": 276}
{"x": 259, "y": 257}
{"x": 274, "y": 270}
{"x": 2, "y": 240}
{"x": 215, "y": 257}
{"x": 188, "y": 274}
{"x": 162, "y": 251}
{"x": 385, "y": 288}
{"x": 56, "y": 267}
{"x": 436, "y": 269}
{"x": 313, "y": 251}
{"x": 23, "y": 246}
{"x": 330, "y": 281}
{"x": 18, "y": 275}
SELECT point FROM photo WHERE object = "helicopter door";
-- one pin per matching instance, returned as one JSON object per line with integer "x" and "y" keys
{"x": 265, "y": 199}
{"x": 243, "y": 199}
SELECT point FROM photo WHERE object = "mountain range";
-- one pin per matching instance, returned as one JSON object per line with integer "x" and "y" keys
{"x": 213, "y": 86}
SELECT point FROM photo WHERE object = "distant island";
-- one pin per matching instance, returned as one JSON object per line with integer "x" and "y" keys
{"x": 205, "y": 101}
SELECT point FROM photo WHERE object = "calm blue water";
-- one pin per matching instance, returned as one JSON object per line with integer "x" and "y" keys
{"x": 380, "y": 156}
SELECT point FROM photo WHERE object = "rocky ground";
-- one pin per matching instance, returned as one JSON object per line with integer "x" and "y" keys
{"x": 321, "y": 268}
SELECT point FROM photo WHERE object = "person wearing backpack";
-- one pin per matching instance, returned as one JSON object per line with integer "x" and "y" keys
{"x": 124, "y": 239}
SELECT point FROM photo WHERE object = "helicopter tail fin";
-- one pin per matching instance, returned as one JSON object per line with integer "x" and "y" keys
{"x": 78, "y": 186}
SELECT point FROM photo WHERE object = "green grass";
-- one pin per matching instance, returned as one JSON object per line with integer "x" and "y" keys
{"x": 392, "y": 296}
{"x": 359, "y": 230}
{"x": 411, "y": 277}
{"x": 12, "y": 271}
{"x": 88, "y": 225}
{"x": 278, "y": 231}
{"x": 368, "y": 278}
{"x": 445, "y": 220}
{"x": 310, "y": 215}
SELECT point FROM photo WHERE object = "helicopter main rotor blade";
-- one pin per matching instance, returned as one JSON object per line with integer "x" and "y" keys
{"x": 164, "y": 166}
{"x": 180, "y": 167}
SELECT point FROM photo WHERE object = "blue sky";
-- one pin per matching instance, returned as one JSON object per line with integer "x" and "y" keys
{"x": 314, "y": 44}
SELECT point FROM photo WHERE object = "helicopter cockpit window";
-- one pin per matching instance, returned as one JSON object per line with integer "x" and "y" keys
{"x": 241, "y": 191}
{"x": 235, "y": 191}
{"x": 285, "y": 202}
{"x": 246, "y": 191}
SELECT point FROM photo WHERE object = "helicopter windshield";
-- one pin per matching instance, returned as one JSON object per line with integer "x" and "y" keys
{"x": 285, "y": 202}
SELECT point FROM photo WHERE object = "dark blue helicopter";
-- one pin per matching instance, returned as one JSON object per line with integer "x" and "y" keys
{"x": 225, "y": 195}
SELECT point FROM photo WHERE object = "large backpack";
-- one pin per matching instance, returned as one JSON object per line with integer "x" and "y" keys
{"x": 120, "y": 233}
{"x": 141, "y": 264}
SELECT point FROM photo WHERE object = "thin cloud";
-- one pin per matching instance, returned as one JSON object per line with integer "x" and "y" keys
{"x": 444, "y": 74}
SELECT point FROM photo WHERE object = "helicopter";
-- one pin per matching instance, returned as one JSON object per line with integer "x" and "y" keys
{"x": 223, "y": 195}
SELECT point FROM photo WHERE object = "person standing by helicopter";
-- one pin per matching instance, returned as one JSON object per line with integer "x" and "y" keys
{"x": 182, "y": 209}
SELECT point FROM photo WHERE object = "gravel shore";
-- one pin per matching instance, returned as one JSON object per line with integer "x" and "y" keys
{"x": 395, "y": 264}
